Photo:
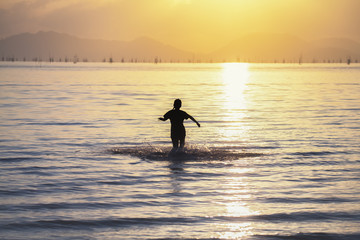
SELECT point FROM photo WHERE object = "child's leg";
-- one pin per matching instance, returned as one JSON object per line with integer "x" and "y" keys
{"x": 175, "y": 142}
{"x": 182, "y": 142}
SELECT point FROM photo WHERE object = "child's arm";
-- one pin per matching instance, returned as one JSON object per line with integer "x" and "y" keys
{"x": 193, "y": 119}
{"x": 166, "y": 116}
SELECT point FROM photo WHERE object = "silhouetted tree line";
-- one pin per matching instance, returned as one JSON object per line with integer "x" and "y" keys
{"x": 157, "y": 60}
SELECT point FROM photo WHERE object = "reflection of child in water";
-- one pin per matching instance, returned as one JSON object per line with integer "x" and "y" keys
{"x": 177, "y": 117}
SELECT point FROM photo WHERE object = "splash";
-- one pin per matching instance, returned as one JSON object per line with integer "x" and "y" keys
{"x": 193, "y": 152}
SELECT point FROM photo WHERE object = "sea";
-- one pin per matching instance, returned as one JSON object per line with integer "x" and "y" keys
{"x": 84, "y": 156}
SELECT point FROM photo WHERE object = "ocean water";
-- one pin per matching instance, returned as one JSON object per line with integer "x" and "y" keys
{"x": 83, "y": 155}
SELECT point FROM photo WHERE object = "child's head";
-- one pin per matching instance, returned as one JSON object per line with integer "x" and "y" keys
{"x": 177, "y": 104}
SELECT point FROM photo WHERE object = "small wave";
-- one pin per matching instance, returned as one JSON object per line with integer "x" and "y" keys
{"x": 309, "y": 200}
{"x": 298, "y": 217}
{"x": 314, "y": 153}
{"x": 18, "y": 192}
{"x": 101, "y": 223}
{"x": 137, "y": 222}
{"x": 17, "y": 159}
{"x": 58, "y": 123}
{"x": 57, "y": 206}
{"x": 189, "y": 153}
{"x": 310, "y": 236}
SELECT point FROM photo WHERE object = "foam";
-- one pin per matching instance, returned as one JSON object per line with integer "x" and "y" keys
{"x": 193, "y": 152}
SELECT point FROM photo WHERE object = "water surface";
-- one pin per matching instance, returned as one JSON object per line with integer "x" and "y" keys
{"x": 83, "y": 155}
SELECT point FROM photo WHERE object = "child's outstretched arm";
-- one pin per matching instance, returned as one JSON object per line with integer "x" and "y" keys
{"x": 163, "y": 118}
{"x": 193, "y": 119}
{"x": 166, "y": 117}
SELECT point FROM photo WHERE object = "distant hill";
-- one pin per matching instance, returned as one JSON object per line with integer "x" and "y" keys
{"x": 46, "y": 45}
{"x": 259, "y": 47}
{"x": 262, "y": 47}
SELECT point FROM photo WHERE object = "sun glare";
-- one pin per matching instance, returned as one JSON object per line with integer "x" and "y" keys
{"x": 237, "y": 198}
{"x": 235, "y": 77}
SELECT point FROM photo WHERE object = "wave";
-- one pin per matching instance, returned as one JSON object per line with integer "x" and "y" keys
{"x": 313, "y": 153}
{"x": 58, "y": 123}
{"x": 297, "y": 236}
{"x": 100, "y": 223}
{"x": 124, "y": 222}
{"x": 309, "y": 200}
{"x": 309, "y": 236}
{"x": 17, "y": 159}
{"x": 193, "y": 152}
{"x": 298, "y": 217}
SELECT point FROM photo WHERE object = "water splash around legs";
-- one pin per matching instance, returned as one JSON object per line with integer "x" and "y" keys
{"x": 192, "y": 152}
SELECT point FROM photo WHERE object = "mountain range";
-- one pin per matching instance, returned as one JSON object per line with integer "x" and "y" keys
{"x": 259, "y": 47}
{"x": 46, "y": 45}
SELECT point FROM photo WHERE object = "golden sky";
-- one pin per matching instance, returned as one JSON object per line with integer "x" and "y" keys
{"x": 193, "y": 25}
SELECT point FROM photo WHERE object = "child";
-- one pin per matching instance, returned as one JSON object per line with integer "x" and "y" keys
{"x": 178, "y": 132}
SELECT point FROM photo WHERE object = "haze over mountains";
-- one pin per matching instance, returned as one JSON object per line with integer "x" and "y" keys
{"x": 260, "y": 47}
{"x": 45, "y": 45}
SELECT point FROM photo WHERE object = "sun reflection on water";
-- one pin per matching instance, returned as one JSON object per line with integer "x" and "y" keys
{"x": 235, "y": 78}
{"x": 237, "y": 231}
{"x": 236, "y": 200}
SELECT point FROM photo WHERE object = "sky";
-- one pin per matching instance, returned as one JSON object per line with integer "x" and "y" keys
{"x": 191, "y": 25}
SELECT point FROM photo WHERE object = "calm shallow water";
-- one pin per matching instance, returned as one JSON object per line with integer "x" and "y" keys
{"x": 83, "y": 155}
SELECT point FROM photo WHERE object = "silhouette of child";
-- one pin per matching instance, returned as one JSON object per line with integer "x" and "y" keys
{"x": 178, "y": 132}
